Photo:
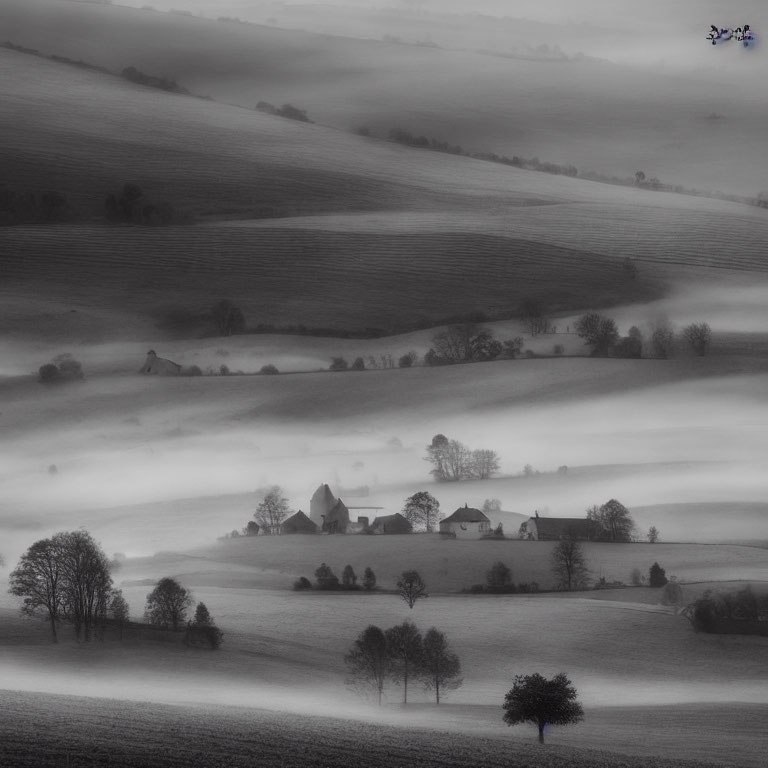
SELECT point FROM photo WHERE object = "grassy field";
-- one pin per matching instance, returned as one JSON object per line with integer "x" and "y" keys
{"x": 124, "y": 734}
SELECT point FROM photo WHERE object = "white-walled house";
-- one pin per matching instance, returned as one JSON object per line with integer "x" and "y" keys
{"x": 466, "y": 523}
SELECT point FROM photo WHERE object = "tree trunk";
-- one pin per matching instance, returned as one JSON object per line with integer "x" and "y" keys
{"x": 541, "y": 733}
{"x": 437, "y": 692}
{"x": 405, "y": 685}
{"x": 53, "y": 630}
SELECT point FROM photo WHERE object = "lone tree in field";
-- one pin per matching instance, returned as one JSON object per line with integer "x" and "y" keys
{"x": 440, "y": 668}
{"x": 422, "y": 509}
{"x": 228, "y": 318}
{"x": 699, "y": 336}
{"x": 613, "y": 520}
{"x": 167, "y": 604}
{"x": 652, "y": 535}
{"x": 369, "y": 579}
{"x": 535, "y": 699}
{"x": 202, "y": 616}
{"x": 411, "y": 587}
{"x": 405, "y": 650}
{"x": 599, "y": 332}
{"x": 272, "y": 510}
{"x": 569, "y": 564}
{"x": 368, "y": 661}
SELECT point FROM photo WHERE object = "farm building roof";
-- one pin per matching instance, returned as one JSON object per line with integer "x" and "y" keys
{"x": 557, "y": 527}
{"x": 299, "y": 523}
{"x": 395, "y": 523}
{"x": 467, "y": 514}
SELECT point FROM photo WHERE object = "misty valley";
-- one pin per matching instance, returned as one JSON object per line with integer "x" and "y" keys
{"x": 382, "y": 384}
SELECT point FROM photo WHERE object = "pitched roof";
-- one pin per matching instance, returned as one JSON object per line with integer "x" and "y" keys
{"x": 397, "y": 520}
{"x": 299, "y": 520}
{"x": 564, "y": 526}
{"x": 466, "y": 514}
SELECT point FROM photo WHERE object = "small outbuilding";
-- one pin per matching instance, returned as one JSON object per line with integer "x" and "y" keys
{"x": 159, "y": 366}
{"x": 298, "y": 523}
{"x": 391, "y": 524}
{"x": 466, "y": 523}
{"x": 556, "y": 528}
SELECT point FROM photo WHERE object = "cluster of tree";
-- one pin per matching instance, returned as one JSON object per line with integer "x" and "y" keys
{"x": 656, "y": 577}
{"x": 32, "y": 208}
{"x": 542, "y": 702}
{"x": 63, "y": 368}
{"x": 401, "y": 655}
{"x": 167, "y": 606}
{"x": 453, "y": 461}
{"x": 498, "y": 581}
{"x": 131, "y": 206}
{"x": 644, "y": 183}
{"x": 738, "y": 610}
{"x": 287, "y": 110}
{"x": 228, "y": 318}
{"x": 403, "y": 136}
{"x": 469, "y": 342}
{"x": 327, "y": 580}
{"x": 163, "y": 83}
{"x": 602, "y": 336}
{"x": 385, "y": 361}
{"x": 67, "y": 578}
{"x": 612, "y": 521}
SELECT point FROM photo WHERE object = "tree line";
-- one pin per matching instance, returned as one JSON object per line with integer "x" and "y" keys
{"x": 452, "y": 461}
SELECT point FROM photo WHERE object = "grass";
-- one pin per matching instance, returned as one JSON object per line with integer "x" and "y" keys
{"x": 126, "y": 734}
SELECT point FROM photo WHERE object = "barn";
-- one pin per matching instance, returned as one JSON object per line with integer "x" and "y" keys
{"x": 159, "y": 365}
{"x": 556, "y": 528}
{"x": 466, "y": 523}
{"x": 389, "y": 524}
{"x": 298, "y": 523}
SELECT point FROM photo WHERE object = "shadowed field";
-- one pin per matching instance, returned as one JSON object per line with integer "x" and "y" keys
{"x": 128, "y": 734}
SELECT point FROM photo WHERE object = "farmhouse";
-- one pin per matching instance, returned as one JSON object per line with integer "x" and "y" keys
{"x": 466, "y": 523}
{"x": 298, "y": 523}
{"x": 555, "y": 528}
{"x": 159, "y": 365}
{"x": 391, "y": 524}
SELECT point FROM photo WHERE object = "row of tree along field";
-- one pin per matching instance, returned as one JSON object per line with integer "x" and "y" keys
{"x": 67, "y": 578}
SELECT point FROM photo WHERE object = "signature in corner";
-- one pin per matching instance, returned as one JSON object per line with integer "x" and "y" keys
{"x": 740, "y": 34}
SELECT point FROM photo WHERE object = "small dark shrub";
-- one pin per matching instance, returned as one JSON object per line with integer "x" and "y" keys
{"x": 358, "y": 364}
{"x": 657, "y": 576}
{"x": 192, "y": 370}
{"x": 269, "y": 370}
{"x": 302, "y": 583}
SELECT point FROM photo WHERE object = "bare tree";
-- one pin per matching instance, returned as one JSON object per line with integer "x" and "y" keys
{"x": 569, "y": 564}
{"x": 422, "y": 509}
{"x": 118, "y": 608}
{"x": 229, "y": 319}
{"x": 272, "y": 510}
{"x": 405, "y": 648}
{"x": 440, "y": 667}
{"x": 534, "y": 316}
{"x": 39, "y": 581}
{"x": 663, "y": 341}
{"x": 699, "y": 336}
{"x": 599, "y": 332}
{"x": 368, "y": 661}
{"x": 411, "y": 587}
{"x": 484, "y": 463}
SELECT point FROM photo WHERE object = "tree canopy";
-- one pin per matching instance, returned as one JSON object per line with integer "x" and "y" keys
{"x": 569, "y": 564}
{"x": 613, "y": 520}
{"x": 368, "y": 660}
{"x": 272, "y": 510}
{"x": 440, "y": 667}
{"x": 167, "y": 604}
{"x": 422, "y": 509}
{"x": 411, "y": 587}
{"x": 599, "y": 332}
{"x": 535, "y": 699}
